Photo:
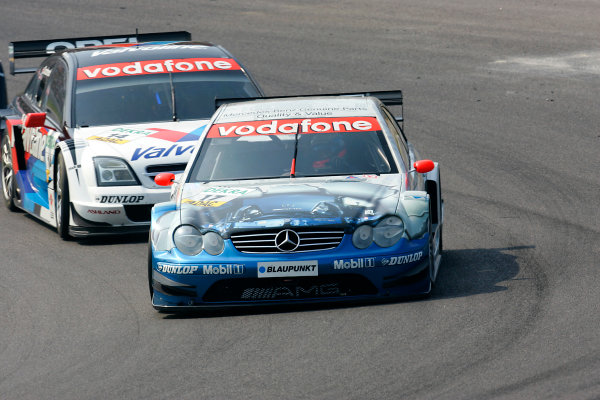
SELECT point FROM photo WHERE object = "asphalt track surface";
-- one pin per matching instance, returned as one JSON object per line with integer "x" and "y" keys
{"x": 504, "y": 94}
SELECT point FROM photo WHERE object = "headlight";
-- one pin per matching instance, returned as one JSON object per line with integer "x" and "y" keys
{"x": 112, "y": 171}
{"x": 362, "y": 237}
{"x": 388, "y": 231}
{"x": 213, "y": 243}
{"x": 188, "y": 240}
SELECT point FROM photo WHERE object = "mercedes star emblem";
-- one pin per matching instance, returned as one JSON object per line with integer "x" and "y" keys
{"x": 287, "y": 240}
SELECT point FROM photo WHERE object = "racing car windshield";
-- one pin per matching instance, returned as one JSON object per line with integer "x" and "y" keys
{"x": 149, "y": 98}
{"x": 262, "y": 156}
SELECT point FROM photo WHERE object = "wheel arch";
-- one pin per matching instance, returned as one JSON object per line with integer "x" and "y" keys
{"x": 434, "y": 189}
{"x": 74, "y": 154}
{"x": 66, "y": 148}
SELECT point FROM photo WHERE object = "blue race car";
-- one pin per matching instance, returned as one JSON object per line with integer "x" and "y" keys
{"x": 298, "y": 199}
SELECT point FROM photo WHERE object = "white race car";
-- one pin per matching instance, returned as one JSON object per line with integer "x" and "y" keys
{"x": 82, "y": 144}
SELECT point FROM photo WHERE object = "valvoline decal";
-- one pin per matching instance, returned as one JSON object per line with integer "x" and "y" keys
{"x": 123, "y": 135}
{"x": 172, "y": 136}
{"x": 158, "y": 152}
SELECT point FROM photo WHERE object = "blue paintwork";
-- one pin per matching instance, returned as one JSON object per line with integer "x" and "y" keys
{"x": 380, "y": 257}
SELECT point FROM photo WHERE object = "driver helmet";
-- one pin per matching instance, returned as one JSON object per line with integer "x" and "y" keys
{"x": 326, "y": 149}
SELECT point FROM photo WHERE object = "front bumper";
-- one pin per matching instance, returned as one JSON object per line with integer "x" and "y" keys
{"x": 115, "y": 210}
{"x": 235, "y": 279}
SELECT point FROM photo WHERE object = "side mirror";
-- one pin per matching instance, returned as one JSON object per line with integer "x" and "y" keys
{"x": 34, "y": 120}
{"x": 424, "y": 166}
{"x": 164, "y": 179}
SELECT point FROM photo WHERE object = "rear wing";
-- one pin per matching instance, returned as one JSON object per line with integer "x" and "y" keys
{"x": 387, "y": 97}
{"x": 43, "y": 48}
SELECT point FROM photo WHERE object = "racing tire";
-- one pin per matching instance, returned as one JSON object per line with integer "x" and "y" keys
{"x": 150, "y": 269}
{"x": 441, "y": 240}
{"x": 61, "y": 197}
{"x": 441, "y": 216}
{"x": 431, "y": 244}
{"x": 8, "y": 175}
{"x": 434, "y": 190}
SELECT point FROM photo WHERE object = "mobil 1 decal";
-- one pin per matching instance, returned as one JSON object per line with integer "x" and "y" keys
{"x": 293, "y": 126}
{"x": 153, "y": 67}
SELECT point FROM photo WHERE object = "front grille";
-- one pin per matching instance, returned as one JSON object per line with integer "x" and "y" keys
{"x": 261, "y": 289}
{"x": 138, "y": 212}
{"x": 263, "y": 241}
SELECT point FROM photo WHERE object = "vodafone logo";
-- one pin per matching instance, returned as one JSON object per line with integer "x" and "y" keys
{"x": 291, "y": 126}
{"x": 156, "y": 67}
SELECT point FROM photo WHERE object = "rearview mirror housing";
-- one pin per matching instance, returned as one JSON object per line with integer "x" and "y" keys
{"x": 34, "y": 120}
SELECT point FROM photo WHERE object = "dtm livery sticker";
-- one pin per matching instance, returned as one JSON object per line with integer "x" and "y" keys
{"x": 203, "y": 203}
{"x": 370, "y": 262}
{"x": 399, "y": 260}
{"x": 126, "y": 135}
{"x": 103, "y": 212}
{"x": 353, "y": 263}
{"x": 121, "y": 135}
{"x": 123, "y": 199}
{"x": 293, "y": 126}
{"x": 152, "y": 67}
{"x": 362, "y": 177}
{"x": 39, "y": 143}
{"x": 73, "y": 44}
{"x": 352, "y": 108}
{"x": 201, "y": 269}
{"x": 292, "y": 291}
{"x": 159, "y": 152}
{"x": 146, "y": 47}
{"x": 288, "y": 268}
{"x": 216, "y": 196}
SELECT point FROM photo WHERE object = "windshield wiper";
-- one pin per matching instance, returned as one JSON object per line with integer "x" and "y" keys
{"x": 293, "y": 169}
{"x": 173, "y": 96}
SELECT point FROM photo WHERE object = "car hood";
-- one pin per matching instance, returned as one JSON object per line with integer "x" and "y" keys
{"x": 261, "y": 204}
{"x": 144, "y": 146}
{"x": 148, "y": 141}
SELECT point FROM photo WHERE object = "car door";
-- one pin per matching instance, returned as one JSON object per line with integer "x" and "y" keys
{"x": 39, "y": 142}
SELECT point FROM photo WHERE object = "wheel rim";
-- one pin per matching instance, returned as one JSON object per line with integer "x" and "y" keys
{"x": 7, "y": 172}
